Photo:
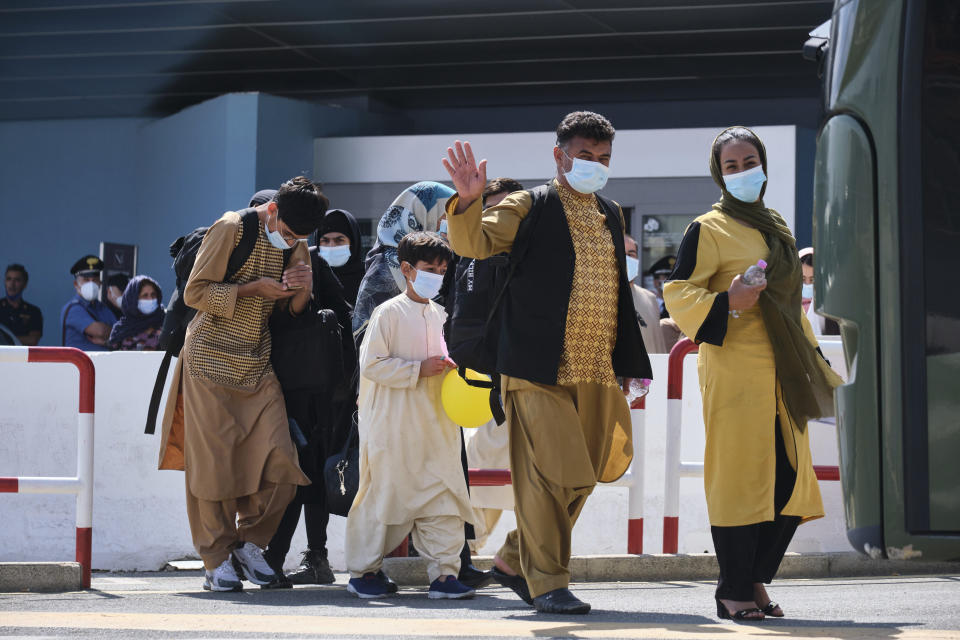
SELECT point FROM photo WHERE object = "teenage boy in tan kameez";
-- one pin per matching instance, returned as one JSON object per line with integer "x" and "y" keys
{"x": 568, "y": 329}
{"x": 225, "y": 423}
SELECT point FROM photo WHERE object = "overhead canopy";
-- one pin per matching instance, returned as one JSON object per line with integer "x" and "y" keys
{"x": 109, "y": 58}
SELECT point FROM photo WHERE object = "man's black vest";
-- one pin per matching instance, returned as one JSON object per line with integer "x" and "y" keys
{"x": 533, "y": 313}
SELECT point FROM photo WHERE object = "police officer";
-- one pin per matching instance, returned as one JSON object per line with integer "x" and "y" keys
{"x": 23, "y": 319}
{"x": 660, "y": 271}
{"x": 85, "y": 321}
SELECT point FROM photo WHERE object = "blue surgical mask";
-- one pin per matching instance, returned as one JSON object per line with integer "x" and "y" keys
{"x": 427, "y": 285}
{"x": 147, "y": 306}
{"x": 633, "y": 268}
{"x": 275, "y": 237}
{"x": 806, "y": 291}
{"x": 335, "y": 256}
{"x": 443, "y": 227}
{"x": 746, "y": 185}
{"x": 586, "y": 176}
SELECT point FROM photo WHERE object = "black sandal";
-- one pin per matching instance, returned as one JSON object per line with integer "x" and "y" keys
{"x": 768, "y": 610}
{"x": 744, "y": 614}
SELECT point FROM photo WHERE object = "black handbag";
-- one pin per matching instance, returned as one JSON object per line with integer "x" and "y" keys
{"x": 306, "y": 353}
{"x": 341, "y": 474}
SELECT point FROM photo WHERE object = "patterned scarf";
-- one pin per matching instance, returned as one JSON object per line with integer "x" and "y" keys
{"x": 417, "y": 208}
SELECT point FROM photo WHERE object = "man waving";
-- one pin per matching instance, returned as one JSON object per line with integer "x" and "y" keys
{"x": 568, "y": 330}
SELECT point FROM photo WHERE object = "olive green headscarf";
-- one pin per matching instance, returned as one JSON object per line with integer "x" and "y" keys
{"x": 806, "y": 381}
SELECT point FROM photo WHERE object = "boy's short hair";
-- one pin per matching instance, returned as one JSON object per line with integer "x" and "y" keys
{"x": 423, "y": 245}
{"x": 301, "y": 205}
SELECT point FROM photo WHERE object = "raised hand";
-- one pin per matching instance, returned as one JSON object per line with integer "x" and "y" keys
{"x": 469, "y": 178}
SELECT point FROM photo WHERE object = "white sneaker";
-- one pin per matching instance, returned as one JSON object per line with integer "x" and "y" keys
{"x": 255, "y": 568}
{"x": 223, "y": 578}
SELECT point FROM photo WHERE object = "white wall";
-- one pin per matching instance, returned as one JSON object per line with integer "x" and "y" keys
{"x": 139, "y": 521}
{"x": 639, "y": 153}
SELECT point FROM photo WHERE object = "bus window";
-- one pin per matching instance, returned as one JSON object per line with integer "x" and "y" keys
{"x": 940, "y": 183}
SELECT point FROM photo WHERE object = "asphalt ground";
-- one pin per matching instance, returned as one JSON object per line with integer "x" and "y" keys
{"x": 173, "y": 605}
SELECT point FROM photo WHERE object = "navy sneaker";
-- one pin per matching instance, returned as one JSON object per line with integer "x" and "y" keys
{"x": 449, "y": 588}
{"x": 369, "y": 586}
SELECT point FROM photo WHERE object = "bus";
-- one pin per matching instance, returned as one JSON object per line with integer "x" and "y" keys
{"x": 886, "y": 228}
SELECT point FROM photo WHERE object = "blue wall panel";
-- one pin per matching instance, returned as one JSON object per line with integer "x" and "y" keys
{"x": 66, "y": 186}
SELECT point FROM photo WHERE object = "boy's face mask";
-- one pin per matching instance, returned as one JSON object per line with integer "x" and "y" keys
{"x": 427, "y": 285}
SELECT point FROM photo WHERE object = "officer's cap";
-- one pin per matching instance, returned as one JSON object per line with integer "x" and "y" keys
{"x": 89, "y": 265}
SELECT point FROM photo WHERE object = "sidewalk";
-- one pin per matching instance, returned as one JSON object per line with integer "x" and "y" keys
{"x": 65, "y": 576}
{"x": 701, "y": 566}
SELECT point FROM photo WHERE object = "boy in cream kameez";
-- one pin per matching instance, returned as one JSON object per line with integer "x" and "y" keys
{"x": 410, "y": 473}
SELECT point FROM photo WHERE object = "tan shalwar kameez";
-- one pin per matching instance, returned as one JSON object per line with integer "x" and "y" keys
{"x": 225, "y": 423}
{"x": 564, "y": 438}
{"x": 411, "y": 477}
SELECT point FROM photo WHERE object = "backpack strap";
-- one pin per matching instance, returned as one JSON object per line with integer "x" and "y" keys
{"x": 248, "y": 240}
{"x": 520, "y": 243}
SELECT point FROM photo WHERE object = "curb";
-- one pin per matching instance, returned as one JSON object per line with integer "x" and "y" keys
{"x": 700, "y": 566}
{"x": 40, "y": 576}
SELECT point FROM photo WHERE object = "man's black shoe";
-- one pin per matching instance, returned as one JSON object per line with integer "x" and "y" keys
{"x": 313, "y": 569}
{"x": 517, "y": 583}
{"x": 473, "y": 577}
{"x": 560, "y": 601}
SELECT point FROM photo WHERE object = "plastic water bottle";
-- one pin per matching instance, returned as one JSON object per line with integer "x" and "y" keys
{"x": 755, "y": 274}
{"x": 638, "y": 388}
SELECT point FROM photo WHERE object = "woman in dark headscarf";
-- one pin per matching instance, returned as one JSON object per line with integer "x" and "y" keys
{"x": 760, "y": 375}
{"x": 338, "y": 243}
{"x": 139, "y": 327}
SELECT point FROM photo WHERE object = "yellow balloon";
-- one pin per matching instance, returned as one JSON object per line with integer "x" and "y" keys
{"x": 466, "y": 405}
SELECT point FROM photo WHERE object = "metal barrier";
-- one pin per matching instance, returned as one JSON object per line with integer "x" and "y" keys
{"x": 82, "y": 483}
{"x": 633, "y": 480}
{"x": 675, "y": 468}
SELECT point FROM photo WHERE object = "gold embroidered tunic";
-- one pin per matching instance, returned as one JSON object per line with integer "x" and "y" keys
{"x": 591, "y": 330}
{"x": 225, "y": 422}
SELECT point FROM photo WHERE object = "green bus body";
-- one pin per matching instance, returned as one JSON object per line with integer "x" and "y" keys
{"x": 886, "y": 228}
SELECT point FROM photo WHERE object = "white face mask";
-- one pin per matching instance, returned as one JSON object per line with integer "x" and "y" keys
{"x": 586, "y": 176}
{"x": 147, "y": 306}
{"x": 746, "y": 185}
{"x": 275, "y": 237}
{"x": 633, "y": 268}
{"x": 89, "y": 291}
{"x": 806, "y": 291}
{"x": 335, "y": 256}
{"x": 427, "y": 285}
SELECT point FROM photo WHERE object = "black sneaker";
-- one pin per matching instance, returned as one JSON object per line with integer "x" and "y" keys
{"x": 277, "y": 565}
{"x": 313, "y": 569}
{"x": 391, "y": 585}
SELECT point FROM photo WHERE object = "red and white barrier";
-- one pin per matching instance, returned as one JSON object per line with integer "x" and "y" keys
{"x": 632, "y": 480}
{"x": 82, "y": 483}
{"x": 675, "y": 468}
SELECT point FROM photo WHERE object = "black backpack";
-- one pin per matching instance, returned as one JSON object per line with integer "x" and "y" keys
{"x": 473, "y": 302}
{"x": 184, "y": 250}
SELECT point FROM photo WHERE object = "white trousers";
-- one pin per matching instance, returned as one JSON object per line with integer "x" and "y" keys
{"x": 438, "y": 539}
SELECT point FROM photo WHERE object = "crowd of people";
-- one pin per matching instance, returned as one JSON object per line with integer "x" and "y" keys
{"x": 573, "y": 329}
